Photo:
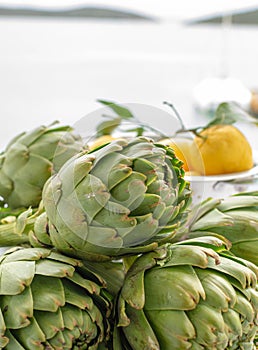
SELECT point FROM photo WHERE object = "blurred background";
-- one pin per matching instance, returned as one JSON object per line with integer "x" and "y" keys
{"x": 58, "y": 57}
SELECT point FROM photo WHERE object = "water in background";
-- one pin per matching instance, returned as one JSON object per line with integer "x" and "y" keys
{"x": 56, "y": 69}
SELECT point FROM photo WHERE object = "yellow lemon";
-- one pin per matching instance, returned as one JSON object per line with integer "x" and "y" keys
{"x": 101, "y": 140}
{"x": 182, "y": 148}
{"x": 221, "y": 149}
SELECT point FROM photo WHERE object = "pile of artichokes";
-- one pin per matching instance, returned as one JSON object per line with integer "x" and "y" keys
{"x": 105, "y": 250}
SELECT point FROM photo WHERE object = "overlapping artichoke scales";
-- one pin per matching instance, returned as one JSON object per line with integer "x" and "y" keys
{"x": 48, "y": 302}
{"x": 188, "y": 297}
{"x": 30, "y": 159}
{"x": 234, "y": 217}
{"x": 119, "y": 199}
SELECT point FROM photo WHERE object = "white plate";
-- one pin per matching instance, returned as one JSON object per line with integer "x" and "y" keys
{"x": 221, "y": 186}
{"x": 224, "y": 177}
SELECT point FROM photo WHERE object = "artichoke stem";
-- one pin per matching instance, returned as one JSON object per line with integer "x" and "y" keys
{"x": 8, "y": 236}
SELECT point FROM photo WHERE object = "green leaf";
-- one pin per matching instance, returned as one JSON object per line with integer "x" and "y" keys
{"x": 108, "y": 126}
{"x": 230, "y": 113}
{"x": 123, "y": 112}
{"x": 139, "y": 130}
{"x": 227, "y": 113}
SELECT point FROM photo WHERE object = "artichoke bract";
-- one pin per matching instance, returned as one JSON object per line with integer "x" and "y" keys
{"x": 123, "y": 198}
{"x": 234, "y": 217}
{"x": 186, "y": 296}
{"x": 48, "y": 302}
{"x": 30, "y": 159}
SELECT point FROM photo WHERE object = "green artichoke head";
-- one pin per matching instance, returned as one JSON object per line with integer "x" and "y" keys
{"x": 186, "y": 296}
{"x": 30, "y": 159}
{"x": 234, "y": 218}
{"x": 123, "y": 198}
{"x": 48, "y": 302}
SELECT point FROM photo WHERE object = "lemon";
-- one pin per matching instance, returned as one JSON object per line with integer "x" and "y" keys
{"x": 101, "y": 140}
{"x": 221, "y": 149}
{"x": 182, "y": 148}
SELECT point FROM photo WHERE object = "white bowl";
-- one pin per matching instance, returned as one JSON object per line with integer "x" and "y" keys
{"x": 220, "y": 186}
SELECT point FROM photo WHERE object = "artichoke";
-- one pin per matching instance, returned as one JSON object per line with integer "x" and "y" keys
{"x": 186, "y": 296}
{"x": 234, "y": 217}
{"x": 30, "y": 229}
{"x": 47, "y": 301}
{"x": 30, "y": 159}
{"x": 123, "y": 198}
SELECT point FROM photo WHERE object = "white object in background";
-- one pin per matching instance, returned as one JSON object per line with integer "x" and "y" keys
{"x": 210, "y": 92}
